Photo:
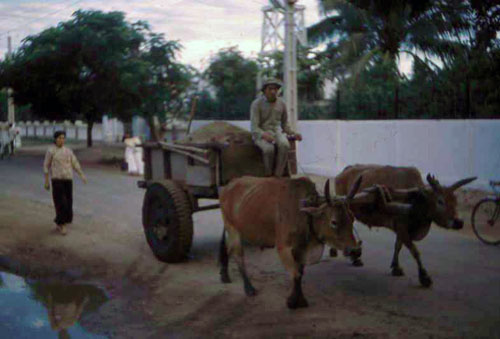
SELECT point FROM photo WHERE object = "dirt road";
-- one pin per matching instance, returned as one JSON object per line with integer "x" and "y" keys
{"x": 106, "y": 245}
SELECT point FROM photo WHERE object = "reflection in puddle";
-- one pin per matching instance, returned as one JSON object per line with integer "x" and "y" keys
{"x": 33, "y": 309}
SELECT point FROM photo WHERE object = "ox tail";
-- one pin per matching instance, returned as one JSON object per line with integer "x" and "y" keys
{"x": 223, "y": 257}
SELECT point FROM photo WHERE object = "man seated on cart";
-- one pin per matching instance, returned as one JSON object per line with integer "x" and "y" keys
{"x": 270, "y": 128}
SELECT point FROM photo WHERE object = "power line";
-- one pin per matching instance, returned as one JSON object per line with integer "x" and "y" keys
{"x": 38, "y": 18}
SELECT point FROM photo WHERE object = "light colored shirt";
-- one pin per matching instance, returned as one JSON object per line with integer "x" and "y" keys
{"x": 132, "y": 143}
{"x": 4, "y": 135}
{"x": 12, "y": 133}
{"x": 268, "y": 116}
{"x": 60, "y": 162}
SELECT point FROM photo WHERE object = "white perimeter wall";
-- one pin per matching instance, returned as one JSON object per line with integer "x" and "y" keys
{"x": 110, "y": 130}
{"x": 449, "y": 149}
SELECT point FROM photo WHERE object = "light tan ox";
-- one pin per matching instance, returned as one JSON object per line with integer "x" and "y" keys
{"x": 415, "y": 206}
{"x": 270, "y": 212}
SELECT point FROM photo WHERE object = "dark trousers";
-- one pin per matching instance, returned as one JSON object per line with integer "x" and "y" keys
{"x": 62, "y": 194}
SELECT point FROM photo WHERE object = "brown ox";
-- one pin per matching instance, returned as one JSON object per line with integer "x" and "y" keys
{"x": 415, "y": 207}
{"x": 270, "y": 212}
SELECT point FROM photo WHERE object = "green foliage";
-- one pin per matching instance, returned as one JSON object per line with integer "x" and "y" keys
{"x": 161, "y": 82}
{"x": 3, "y": 105}
{"x": 427, "y": 94}
{"x": 364, "y": 39}
{"x": 96, "y": 64}
{"x": 22, "y": 112}
{"x": 206, "y": 107}
{"x": 319, "y": 110}
{"x": 309, "y": 79}
{"x": 370, "y": 96}
{"x": 234, "y": 79}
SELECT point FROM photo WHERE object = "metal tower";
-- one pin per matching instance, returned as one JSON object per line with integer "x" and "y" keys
{"x": 283, "y": 24}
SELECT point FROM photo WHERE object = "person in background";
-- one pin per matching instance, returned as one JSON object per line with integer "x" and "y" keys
{"x": 17, "y": 137}
{"x": 59, "y": 164}
{"x": 4, "y": 141}
{"x": 270, "y": 128}
{"x": 138, "y": 154}
{"x": 13, "y": 134}
{"x": 133, "y": 154}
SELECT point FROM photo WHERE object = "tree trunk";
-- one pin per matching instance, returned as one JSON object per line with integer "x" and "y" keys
{"x": 90, "y": 124}
{"x": 337, "y": 104}
{"x": 396, "y": 101}
{"x": 468, "y": 112}
{"x": 154, "y": 128}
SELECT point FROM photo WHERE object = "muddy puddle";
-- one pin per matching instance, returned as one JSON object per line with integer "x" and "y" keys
{"x": 41, "y": 309}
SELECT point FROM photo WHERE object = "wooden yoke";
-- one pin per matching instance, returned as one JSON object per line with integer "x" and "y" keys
{"x": 385, "y": 199}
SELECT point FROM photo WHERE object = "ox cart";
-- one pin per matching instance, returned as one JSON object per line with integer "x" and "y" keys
{"x": 178, "y": 174}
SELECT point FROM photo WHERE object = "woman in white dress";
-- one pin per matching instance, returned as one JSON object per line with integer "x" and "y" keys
{"x": 133, "y": 155}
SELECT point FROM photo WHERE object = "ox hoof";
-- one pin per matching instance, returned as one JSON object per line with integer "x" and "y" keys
{"x": 357, "y": 263}
{"x": 294, "y": 302}
{"x": 425, "y": 280}
{"x": 250, "y": 291}
{"x": 397, "y": 272}
{"x": 225, "y": 278}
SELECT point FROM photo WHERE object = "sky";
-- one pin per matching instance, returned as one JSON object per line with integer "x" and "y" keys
{"x": 201, "y": 26}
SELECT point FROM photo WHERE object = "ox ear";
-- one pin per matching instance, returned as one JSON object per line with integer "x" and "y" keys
{"x": 436, "y": 186}
{"x": 461, "y": 183}
{"x": 354, "y": 188}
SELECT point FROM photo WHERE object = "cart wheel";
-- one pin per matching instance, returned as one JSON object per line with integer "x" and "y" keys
{"x": 167, "y": 221}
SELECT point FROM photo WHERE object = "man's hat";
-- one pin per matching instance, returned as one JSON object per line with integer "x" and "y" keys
{"x": 270, "y": 81}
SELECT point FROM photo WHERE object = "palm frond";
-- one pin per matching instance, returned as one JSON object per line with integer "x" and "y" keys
{"x": 364, "y": 62}
{"x": 446, "y": 50}
{"x": 423, "y": 62}
{"x": 324, "y": 30}
{"x": 326, "y": 7}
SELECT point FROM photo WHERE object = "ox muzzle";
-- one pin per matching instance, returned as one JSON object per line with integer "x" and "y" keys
{"x": 456, "y": 224}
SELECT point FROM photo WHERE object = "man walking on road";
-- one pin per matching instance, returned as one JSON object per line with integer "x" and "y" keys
{"x": 270, "y": 128}
{"x": 59, "y": 164}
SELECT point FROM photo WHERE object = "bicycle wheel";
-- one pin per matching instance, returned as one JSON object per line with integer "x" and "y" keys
{"x": 485, "y": 221}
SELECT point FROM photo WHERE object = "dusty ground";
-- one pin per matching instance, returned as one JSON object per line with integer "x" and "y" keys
{"x": 105, "y": 245}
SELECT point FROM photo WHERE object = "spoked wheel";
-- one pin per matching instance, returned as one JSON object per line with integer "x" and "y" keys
{"x": 167, "y": 221}
{"x": 485, "y": 221}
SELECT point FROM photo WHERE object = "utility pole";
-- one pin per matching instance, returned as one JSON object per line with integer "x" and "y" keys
{"x": 282, "y": 26}
{"x": 290, "y": 62}
{"x": 10, "y": 100}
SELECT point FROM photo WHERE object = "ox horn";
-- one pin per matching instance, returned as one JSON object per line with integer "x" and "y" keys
{"x": 461, "y": 183}
{"x": 433, "y": 182}
{"x": 354, "y": 188}
{"x": 327, "y": 192}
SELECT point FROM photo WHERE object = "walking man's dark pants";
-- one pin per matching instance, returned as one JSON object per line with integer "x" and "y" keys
{"x": 62, "y": 194}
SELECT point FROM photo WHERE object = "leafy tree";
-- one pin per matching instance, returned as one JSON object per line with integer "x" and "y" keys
{"x": 162, "y": 83}
{"x": 95, "y": 64}
{"x": 206, "y": 106}
{"x": 234, "y": 79}
{"x": 309, "y": 80}
{"x": 362, "y": 33}
{"x": 75, "y": 69}
{"x": 480, "y": 21}
{"x": 3, "y": 105}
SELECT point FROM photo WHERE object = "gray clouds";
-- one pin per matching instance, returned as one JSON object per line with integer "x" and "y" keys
{"x": 201, "y": 26}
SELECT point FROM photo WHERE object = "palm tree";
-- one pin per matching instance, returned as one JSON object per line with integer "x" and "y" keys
{"x": 362, "y": 33}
